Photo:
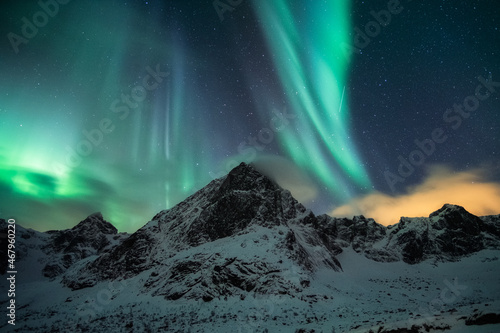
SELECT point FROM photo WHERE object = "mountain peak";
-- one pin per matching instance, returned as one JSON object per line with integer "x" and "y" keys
{"x": 449, "y": 208}
{"x": 456, "y": 217}
{"x": 94, "y": 223}
{"x": 245, "y": 177}
{"x": 87, "y": 238}
{"x": 97, "y": 215}
{"x": 242, "y": 167}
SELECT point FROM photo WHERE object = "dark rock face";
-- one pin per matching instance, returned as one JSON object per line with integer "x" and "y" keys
{"x": 209, "y": 280}
{"x": 360, "y": 233}
{"x": 245, "y": 197}
{"x": 128, "y": 258}
{"x": 447, "y": 234}
{"x": 298, "y": 250}
{"x": 87, "y": 238}
{"x": 57, "y": 251}
{"x": 492, "y": 230}
{"x": 462, "y": 231}
{"x": 227, "y": 206}
{"x": 413, "y": 248}
{"x": 216, "y": 276}
{"x": 456, "y": 218}
{"x": 89, "y": 233}
{"x": 483, "y": 319}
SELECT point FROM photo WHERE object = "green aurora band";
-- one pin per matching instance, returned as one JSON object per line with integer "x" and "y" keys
{"x": 312, "y": 66}
{"x": 168, "y": 144}
{"x": 90, "y": 69}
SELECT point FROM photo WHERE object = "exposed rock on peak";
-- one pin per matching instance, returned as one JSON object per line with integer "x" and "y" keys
{"x": 447, "y": 208}
{"x": 95, "y": 223}
{"x": 89, "y": 237}
{"x": 456, "y": 218}
{"x": 245, "y": 177}
{"x": 446, "y": 235}
{"x": 228, "y": 206}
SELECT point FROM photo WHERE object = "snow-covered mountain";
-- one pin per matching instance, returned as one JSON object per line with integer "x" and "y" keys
{"x": 242, "y": 255}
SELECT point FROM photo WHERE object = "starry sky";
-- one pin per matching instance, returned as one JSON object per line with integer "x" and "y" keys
{"x": 382, "y": 108}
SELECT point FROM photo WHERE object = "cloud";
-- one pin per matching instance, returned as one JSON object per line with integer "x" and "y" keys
{"x": 288, "y": 176}
{"x": 468, "y": 189}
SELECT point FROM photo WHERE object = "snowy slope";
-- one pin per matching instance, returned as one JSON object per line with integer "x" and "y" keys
{"x": 242, "y": 255}
{"x": 367, "y": 295}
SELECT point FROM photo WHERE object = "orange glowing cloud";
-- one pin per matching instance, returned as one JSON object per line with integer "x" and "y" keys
{"x": 467, "y": 189}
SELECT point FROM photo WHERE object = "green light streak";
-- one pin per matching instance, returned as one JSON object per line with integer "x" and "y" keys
{"x": 312, "y": 68}
{"x": 153, "y": 159}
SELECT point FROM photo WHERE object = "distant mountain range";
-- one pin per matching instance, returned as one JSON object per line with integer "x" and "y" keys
{"x": 242, "y": 255}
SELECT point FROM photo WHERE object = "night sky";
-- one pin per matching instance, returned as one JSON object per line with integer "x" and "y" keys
{"x": 382, "y": 108}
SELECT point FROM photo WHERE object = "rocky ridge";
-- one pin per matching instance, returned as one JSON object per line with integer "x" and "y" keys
{"x": 242, "y": 241}
{"x": 188, "y": 251}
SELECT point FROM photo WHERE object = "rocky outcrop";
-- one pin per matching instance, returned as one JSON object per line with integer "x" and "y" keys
{"x": 448, "y": 234}
{"x": 89, "y": 237}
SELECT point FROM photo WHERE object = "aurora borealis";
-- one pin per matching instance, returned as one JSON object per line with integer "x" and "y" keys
{"x": 128, "y": 107}
{"x": 312, "y": 71}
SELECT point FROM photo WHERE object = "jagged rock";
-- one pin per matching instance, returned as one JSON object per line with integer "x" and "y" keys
{"x": 447, "y": 234}
{"x": 219, "y": 276}
{"x": 360, "y": 233}
{"x": 483, "y": 319}
{"x": 87, "y": 238}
